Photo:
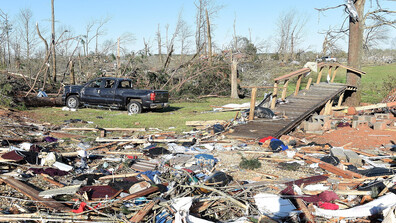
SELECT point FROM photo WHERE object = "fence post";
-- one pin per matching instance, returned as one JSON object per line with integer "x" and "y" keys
{"x": 309, "y": 83}
{"x": 319, "y": 75}
{"x": 334, "y": 74}
{"x": 274, "y": 95}
{"x": 252, "y": 103}
{"x": 298, "y": 84}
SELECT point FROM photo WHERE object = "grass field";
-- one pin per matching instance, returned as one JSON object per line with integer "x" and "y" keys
{"x": 172, "y": 118}
{"x": 175, "y": 117}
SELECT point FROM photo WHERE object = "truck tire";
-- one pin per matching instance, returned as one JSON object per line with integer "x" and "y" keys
{"x": 134, "y": 107}
{"x": 72, "y": 101}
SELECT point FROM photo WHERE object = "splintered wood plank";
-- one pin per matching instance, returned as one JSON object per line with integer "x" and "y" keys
{"x": 33, "y": 194}
{"x": 143, "y": 212}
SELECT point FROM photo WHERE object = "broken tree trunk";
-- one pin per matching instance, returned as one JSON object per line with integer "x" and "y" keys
{"x": 234, "y": 81}
{"x": 355, "y": 52}
{"x": 40, "y": 101}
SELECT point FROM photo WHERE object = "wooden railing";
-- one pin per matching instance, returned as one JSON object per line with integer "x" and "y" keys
{"x": 300, "y": 74}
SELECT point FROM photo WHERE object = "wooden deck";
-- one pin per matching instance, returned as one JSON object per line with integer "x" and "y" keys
{"x": 298, "y": 108}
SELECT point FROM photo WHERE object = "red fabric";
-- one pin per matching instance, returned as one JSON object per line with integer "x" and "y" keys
{"x": 325, "y": 196}
{"x": 81, "y": 208}
{"x": 266, "y": 138}
{"x": 328, "y": 206}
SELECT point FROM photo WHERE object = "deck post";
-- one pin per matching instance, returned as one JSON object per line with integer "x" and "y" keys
{"x": 340, "y": 99}
{"x": 274, "y": 95}
{"x": 319, "y": 75}
{"x": 327, "y": 108}
{"x": 252, "y": 103}
{"x": 334, "y": 74}
{"x": 309, "y": 83}
{"x": 285, "y": 89}
{"x": 298, "y": 84}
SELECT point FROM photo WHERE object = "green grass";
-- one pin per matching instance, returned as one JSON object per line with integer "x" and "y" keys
{"x": 174, "y": 116}
{"x": 374, "y": 82}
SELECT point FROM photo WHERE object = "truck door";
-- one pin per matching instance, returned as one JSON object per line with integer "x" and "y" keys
{"x": 107, "y": 91}
{"x": 91, "y": 92}
{"x": 123, "y": 86}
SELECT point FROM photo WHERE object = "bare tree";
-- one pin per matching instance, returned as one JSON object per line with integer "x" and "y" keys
{"x": 87, "y": 39}
{"x": 290, "y": 33}
{"x": 65, "y": 41}
{"x": 329, "y": 45}
{"x": 375, "y": 35}
{"x": 100, "y": 30}
{"x": 158, "y": 38}
{"x": 235, "y": 35}
{"x": 147, "y": 47}
{"x": 201, "y": 23}
{"x": 358, "y": 22}
{"x": 6, "y": 29}
{"x": 46, "y": 74}
{"x": 27, "y": 31}
{"x": 184, "y": 35}
{"x": 209, "y": 35}
{"x": 53, "y": 52}
{"x": 108, "y": 46}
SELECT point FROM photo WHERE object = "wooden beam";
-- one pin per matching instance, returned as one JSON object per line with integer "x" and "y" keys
{"x": 274, "y": 95}
{"x": 109, "y": 177}
{"x": 144, "y": 211}
{"x": 319, "y": 75}
{"x": 309, "y": 83}
{"x": 298, "y": 84}
{"x": 141, "y": 141}
{"x": 33, "y": 194}
{"x": 340, "y": 99}
{"x": 205, "y": 123}
{"x": 334, "y": 74}
{"x": 304, "y": 209}
{"x": 252, "y": 103}
{"x": 333, "y": 169}
{"x": 328, "y": 106}
{"x": 285, "y": 89}
{"x": 107, "y": 129}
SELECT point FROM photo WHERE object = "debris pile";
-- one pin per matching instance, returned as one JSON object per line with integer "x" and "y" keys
{"x": 49, "y": 174}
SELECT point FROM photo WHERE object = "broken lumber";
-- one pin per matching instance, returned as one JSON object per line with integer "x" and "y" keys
{"x": 107, "y": 129}
{"x": 118, "y": 176}
{"x": 141, "y": 141}
{"x": 143, "y": 212}
{"x": 65, "y": 135}
{"x": 34, "y": 194}
{"x": 204, "y": 123}
{"x": 326, "y": 166}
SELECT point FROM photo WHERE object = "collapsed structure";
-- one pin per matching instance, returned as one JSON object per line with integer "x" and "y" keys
{"x": 334, "y": 166}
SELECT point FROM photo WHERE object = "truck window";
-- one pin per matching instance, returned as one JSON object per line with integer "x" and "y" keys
{"x": 95, "y": 84}
{"x": 109, "y": 83}
{"x": 125, "y": 84}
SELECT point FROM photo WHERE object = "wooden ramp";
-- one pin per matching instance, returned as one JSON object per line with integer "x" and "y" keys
{"x": 297, "y": 109}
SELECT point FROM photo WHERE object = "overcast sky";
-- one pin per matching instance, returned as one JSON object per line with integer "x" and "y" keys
{"x": 142, "y": 17}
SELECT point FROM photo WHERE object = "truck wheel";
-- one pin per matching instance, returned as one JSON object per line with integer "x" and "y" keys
{"x": 134, "y": 107}
{"x": 72, "y": 101}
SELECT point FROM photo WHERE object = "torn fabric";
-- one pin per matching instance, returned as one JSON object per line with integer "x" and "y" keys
{"x": 364, "y": 210}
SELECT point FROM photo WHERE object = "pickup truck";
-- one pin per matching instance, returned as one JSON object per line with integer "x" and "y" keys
{"x": 114, "y": 92}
